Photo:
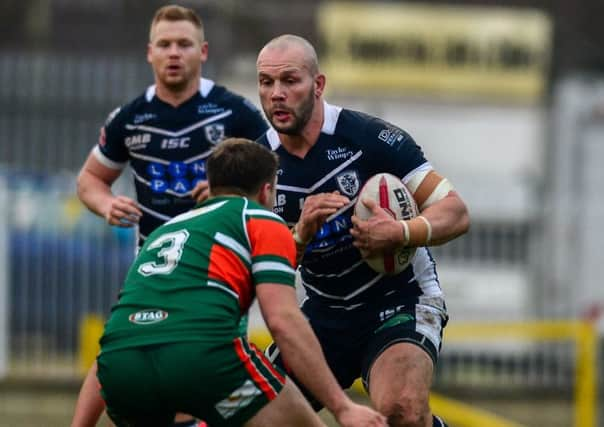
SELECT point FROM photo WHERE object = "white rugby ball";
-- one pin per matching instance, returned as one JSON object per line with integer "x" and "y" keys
{"x": 392, "y": 195}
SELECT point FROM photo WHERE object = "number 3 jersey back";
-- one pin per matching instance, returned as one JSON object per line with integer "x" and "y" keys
{"x": 167, "y": 146}
{"x": 196, "y": 275}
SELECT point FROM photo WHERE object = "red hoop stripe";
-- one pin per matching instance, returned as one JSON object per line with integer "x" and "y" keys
{"x": 259, "y": 379}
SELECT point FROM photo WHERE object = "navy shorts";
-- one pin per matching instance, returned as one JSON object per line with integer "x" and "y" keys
{"x": 353, "y": 340}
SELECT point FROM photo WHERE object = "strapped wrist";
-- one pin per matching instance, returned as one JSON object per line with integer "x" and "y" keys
{"x": 429, "y": 229}
{"x": 406, "y": 235}
{"x": 299, "y": 241}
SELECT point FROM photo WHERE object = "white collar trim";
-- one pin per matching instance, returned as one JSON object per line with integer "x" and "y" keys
{"x": 205, "y": 87}
{"x": 331, "y": 113}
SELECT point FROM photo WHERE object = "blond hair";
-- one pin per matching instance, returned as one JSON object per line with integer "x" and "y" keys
{"x": 174, "y": 12}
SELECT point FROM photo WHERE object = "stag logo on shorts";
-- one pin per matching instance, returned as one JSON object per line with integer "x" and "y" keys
{"x": 348, "y": 182}
{"x": 148, "y": 316}
{"x": 214, "y": 132}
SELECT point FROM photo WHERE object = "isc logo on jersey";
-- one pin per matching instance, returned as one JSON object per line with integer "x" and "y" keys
{"x": 149, "y": 316}
{"x": 172, "y": 143}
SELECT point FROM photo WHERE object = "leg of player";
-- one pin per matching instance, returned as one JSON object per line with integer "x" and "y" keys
{"x": 399, "y": 387}
{"x": 288, "y": 409}
{"x": 89, "y": 405}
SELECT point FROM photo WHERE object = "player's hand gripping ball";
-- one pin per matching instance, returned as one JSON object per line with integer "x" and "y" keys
{"x": 395, "y": 198}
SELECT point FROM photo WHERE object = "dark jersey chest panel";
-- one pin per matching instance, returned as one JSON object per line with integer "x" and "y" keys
{"x": 342, "y": 160}
{"x": 167, "y": 146}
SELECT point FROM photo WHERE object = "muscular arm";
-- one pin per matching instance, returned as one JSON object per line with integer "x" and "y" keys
{"x": 443, "y": 209}
{"x": 448, "y": 217}
{"x": 94, "y": 185}
{"x": 94, "y": 190}
{"x": 298, "y": 344}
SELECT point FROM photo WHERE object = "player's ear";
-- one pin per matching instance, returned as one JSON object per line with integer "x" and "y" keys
{"x": 204, "y": 51}
{"x": 319, "y": 85}
{"x": 266, "y": 195}
{"x": 149, "y": 47}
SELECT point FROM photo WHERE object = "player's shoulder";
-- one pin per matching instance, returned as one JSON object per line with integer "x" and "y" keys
{"x": 129, "y": 111}
{"x": 256, "y": 211}
{"x": 370, "y": 130}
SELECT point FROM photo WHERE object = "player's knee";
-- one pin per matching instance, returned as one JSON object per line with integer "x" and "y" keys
{"x": 405, "y": 410}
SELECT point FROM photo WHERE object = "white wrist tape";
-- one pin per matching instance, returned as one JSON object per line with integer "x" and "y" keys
{"x": 406, "y": 235}
{"x": 429, "y": 235}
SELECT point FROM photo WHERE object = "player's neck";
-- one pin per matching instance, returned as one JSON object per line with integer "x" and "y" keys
{"x": 176, "y": 97}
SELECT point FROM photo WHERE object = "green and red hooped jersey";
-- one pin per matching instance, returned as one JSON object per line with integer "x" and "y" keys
{"x": 196, "y": 275}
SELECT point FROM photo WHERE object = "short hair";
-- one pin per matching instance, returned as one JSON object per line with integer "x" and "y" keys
{"x": 174, "y": 12}
{"x": 240, "y": 166}
{"x": 286, "y": 41}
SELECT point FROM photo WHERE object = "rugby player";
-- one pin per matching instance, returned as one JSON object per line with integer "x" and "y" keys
{"x": 385, "y": 329}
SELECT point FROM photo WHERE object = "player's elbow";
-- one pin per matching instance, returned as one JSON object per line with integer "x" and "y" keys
{"x": 81, "y": 184}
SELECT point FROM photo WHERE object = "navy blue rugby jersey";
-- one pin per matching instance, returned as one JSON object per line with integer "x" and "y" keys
{"x": 351, "y": 148}
{"x": 167, "y": 146}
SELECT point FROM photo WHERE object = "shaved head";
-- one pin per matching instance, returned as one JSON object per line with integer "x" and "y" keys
{"x": 290, "y": 41}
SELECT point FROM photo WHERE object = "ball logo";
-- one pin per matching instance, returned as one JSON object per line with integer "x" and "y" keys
{"x": 404, "y": 203}
{"x": 147, "y": 317}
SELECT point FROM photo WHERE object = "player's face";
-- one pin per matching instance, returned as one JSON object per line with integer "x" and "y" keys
{"x": 176, "y": 53}
{"x": 286, "y": 89}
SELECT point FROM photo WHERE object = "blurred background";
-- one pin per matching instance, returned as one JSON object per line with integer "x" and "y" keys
{"x": 505, "y": 97}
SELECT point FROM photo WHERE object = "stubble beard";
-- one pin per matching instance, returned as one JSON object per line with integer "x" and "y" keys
{"x": 301, "y": 115}
{"x": 176, "y": 85}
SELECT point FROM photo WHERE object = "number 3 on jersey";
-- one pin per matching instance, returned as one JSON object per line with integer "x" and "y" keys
{"x": 170, "y": 254}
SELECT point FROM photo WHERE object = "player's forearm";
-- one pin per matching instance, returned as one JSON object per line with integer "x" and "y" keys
{"x": 302, "y": 353}
{"x": 94, "y": 193}
{"x": 448, "y": 219}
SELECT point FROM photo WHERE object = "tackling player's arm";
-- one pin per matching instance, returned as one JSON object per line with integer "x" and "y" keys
{"x": 276, "y": 293}
{"x": 302, "y": 351}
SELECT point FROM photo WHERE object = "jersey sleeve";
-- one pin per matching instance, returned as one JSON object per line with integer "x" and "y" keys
{"x": 396, "y": 151}
{"x": 250, "y": 121}
{"x": 111, "y": 150}
{"x": 273, "y": 250}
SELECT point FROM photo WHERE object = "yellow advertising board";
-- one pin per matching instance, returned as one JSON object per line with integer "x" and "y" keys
{"x": 448, "y": 50}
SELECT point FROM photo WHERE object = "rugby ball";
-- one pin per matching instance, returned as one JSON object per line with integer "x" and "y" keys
{"x": 395, "y": 198}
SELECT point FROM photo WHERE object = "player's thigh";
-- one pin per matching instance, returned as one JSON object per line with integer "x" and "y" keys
{"x": 404, "y": 349}
{"x": 288, "y": 409}
{"x": 401, "y": 373}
